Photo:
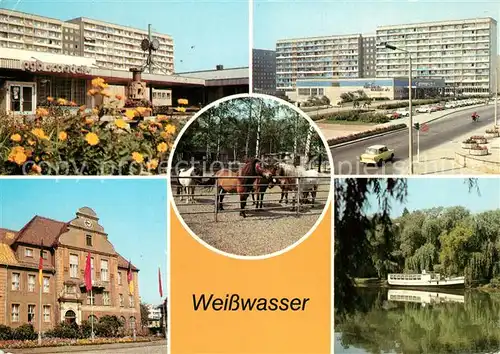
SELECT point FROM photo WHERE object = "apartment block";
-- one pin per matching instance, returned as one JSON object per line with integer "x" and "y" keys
{"x": 317, "y": 57}
{"x": 462, "y": 52}
{"x": 369, "y": 55}
{"x": 114, "y": 47}
{"x": 264, "y": 71}
{"x": 119, "y": 47}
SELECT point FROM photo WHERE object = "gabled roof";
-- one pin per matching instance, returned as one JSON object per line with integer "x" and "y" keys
{"x": 40, "y": 228}
{"x": 7, "y": 255}
{"x": 123, "y": 263}
{"x": 7, "y": 236}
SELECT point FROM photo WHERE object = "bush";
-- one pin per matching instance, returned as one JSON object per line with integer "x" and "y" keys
{"x": 5, "y": 333}
{"x": 24, "y": 332}
{"x": 414, "y": 103}
{"x": 364, "y": 116}
{"x": 108, "y": 326}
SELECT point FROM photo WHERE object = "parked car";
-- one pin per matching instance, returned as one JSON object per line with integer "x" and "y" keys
{"x": 422, "y": 109}
{"x": 403, "y": 113}
{"x": 376, "y": 155}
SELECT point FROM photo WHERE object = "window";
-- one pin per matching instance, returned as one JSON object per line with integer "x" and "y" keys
{"x": 119, "y": 278}
{"x": 104, "y": 270}
{"x": 46, "y": 285}
{"x": 15, "y": 313}
{"x": 121, "y": 300}
{"x": 73, "y": 266}
{"x": 15, "y": 281}
{"x": 44, "y": 254}
{"x": 90, "y": 299}
{"x": 28, "y": 252}
{"x": 46, "y": 313}
{"x": 89, "y": 240}
{"x": 105, "y": 298}
{"x": 31, "y": 283}
{"x": 31, "y": 313}
{"x": 131, "y": 300}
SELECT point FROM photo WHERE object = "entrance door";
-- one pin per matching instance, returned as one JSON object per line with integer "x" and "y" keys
{"x": 22, "y": 97}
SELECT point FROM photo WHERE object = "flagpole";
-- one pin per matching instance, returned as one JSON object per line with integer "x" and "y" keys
{"x": 92, "y": 312}
{"x": 40, "y": 316}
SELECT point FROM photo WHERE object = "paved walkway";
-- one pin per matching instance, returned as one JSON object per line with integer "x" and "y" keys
{"x": 441, "y": 159}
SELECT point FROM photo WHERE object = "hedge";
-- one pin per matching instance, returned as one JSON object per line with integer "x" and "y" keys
{"x": 414, "y": 103}
{"x": 344, "y": 139}
{"x": 359, "y": 115}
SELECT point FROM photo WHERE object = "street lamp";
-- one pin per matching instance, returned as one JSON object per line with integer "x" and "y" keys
{"x": 410, "y": 110}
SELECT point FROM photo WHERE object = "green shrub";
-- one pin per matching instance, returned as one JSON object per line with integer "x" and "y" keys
{"x": 24, "y": 332}
{"x": 108, "y": 326}
{"x": 64, "y": 330}
{"x": 360, "y": 135}
{"x": 362, "y": 116}
{"x": 5, "y": 332}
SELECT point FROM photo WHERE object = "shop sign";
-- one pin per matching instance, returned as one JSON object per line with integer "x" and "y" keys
{"x": 38, "y": 66}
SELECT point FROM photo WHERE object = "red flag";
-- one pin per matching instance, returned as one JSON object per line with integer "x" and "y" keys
{"x": 40, "y": 266}
{"x": 159, "y": 282}
{"x": 88, "y": 273}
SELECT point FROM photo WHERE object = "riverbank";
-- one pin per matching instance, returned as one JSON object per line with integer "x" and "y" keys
{"x": 492, "y": 287}
{"x": 370, "y": 282}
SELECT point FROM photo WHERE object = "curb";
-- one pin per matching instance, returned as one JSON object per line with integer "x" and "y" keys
{"x": 397, "y": 130}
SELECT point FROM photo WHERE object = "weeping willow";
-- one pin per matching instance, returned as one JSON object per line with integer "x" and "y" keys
{"x": 423, "y": 259}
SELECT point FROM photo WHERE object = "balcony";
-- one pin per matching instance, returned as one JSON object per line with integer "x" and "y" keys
{"x": 96, "y": 284}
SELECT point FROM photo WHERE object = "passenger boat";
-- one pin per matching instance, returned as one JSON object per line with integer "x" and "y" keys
{"x": 422, "y": 297}
{"x": 424, "y": 280}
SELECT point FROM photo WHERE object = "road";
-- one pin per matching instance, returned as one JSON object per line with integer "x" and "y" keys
{"x": 156, "y": 347}
{"x": 346, "y": 158}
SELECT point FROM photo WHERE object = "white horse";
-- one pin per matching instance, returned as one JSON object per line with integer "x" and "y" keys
{"x": 297, "y": 178}
{"x": 188, "y": 183}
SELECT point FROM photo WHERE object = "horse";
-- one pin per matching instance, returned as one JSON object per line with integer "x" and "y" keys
{"x": 260, "y": 186}
{"x": 252, "y": 169}
{"x": 188, "y": 179}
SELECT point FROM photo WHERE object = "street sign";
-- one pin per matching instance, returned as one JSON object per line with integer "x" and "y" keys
{"x": 424, "y": 128}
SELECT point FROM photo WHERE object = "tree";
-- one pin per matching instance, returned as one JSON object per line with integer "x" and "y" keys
{"x": 144, "y": 314}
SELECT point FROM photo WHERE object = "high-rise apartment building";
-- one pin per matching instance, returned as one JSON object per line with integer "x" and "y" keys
{"x": 462, "y": 52}
{"x": 113, "y": 46}
{"x": 369, "y": 55}
{"x": 264, "y": 71}
{"x": 119, "y": 47}
{"x": 317, "y": 57}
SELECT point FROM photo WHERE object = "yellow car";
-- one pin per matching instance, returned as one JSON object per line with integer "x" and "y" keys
{"x": 376, "y": 155}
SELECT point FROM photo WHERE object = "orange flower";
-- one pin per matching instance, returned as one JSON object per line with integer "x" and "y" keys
{"x": 89, "y": 121}
{"x": 152, "y": 165}
{"x": 120, "y": 123}
{"x": 182, "y": 101}
{"x": 18, "y": 155}
{"x": 137, "y": 157}
{"x": 95, "y": 111}
{"x": 31, "y": 142}
{"x": 50, "y": 99}
{"x": 141, "y": 110}
{"x": 36, "y": 169}
{"x": 99, "y": 82}
{"x": 15, "y": 137}
{"x": 63, "y": 136}
{"x": 73, "y": 104}
{"x": 161, "y": 117}
{"x": 42, "y": 112}
{"x": 62, "y": 101}
{"x": 162, "y": 147}
{"x": 82, "y": 108}
{"x": 170, "y": 129}
{"x": 130, "y": 114}
{"x": 39, "y": 133}
{"x": 92, "y": 139}
{"x": 180, "y": 109}
{"x": 118, "y": 97}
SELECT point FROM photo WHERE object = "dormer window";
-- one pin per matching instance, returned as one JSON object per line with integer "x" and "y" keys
{"x": 28, "y": 252}
{"x": 89, "y": 240}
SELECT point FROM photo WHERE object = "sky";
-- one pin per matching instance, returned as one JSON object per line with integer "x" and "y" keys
{"x": 218, "y": 29}
{"x": 425, "y": 193}
{"x": 133, "y": 213}
{"x": 281, "y": 19}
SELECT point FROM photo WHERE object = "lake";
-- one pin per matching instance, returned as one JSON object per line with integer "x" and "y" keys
{"x": 404, "y": 321}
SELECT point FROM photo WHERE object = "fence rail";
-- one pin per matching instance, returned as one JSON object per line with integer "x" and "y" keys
{"x": 297, "y": 189}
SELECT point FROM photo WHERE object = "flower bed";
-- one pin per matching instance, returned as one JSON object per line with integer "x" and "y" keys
{"x": 468, "y": 143}
{"x": 60, "y": 342}
{"x": 492, "y": 132}
{"x": 479, "y": 139}
{"x": 85, "y": 144}
{"x": 345, "y": 139}
{"x": 478, "y": 150}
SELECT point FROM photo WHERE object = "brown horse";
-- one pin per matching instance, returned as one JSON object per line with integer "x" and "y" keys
{"x": 260, "y": 186}
{"x": 253, "y": 169}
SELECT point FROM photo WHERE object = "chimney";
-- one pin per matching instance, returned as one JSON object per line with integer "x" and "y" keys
{"x": 219, "y": 67}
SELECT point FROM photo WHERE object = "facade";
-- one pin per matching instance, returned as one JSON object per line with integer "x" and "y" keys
{"x": 317, "y": 57}
{"x": 264, "y": 71}
{"x": 369, "y": 55}
{"x": 462, "y": 52}
{"x": 154, "y": 315}
{"x": 64, "y": 297}
{"x": 374, "y": 88}
{"x": 113, "y": 47}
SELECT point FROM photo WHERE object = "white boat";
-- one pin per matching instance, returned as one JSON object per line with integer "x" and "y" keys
{"x": 422, "y": 297}
{"x": 424, "y": 280}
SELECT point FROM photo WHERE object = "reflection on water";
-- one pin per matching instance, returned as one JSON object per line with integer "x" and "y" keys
{"x": 409, "y": 321}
